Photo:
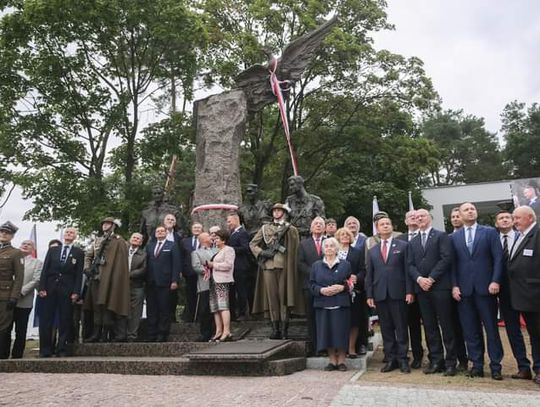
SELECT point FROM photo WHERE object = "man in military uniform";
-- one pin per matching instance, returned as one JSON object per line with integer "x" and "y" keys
{"x": 304, "y": 207}
{"x": 11, "y": 280}
{"x": 108, "y": 294}
{"x": 278, "y": 290}
{"x": 154, "y": 214}
{"x": 254, "y": 212}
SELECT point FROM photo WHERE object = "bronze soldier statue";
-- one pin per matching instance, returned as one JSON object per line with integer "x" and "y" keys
{"x": 253, "y": 212}
{"x": 304, "y": 207}
{"x": 153, "y": 215}
{"x": 11, "y": 280}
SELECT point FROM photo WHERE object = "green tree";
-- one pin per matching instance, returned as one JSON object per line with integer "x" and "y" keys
{"x": 75, "y": 78}
{"x": 467, "y": 152}
{"x": 521, "y": 130}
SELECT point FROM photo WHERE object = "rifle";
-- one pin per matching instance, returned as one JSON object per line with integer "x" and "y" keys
{"x": 99, "y": 258}
{"x": 276, "y": 246}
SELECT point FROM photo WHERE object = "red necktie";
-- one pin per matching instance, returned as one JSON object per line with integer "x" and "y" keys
{"x": 384, "y": 250}
{"x": 318, "y": 246}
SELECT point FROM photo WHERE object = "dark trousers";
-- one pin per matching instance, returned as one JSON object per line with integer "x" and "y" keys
{"x": 475, "y": 311}
{"x": 57, "y": 300}
{"x": 135, "y": 311}
{"x": 20, "y": 320}
{"x": 414, "y": 321}
{"x": 363, "y": 328}
{"x": 158, "y": 311}
{"x": 191, "y": 298}
{"x": 310, "y": 317}
{"x": 393, "y": 320}
{"x": 532, "y": 319}
{"x": 513, "y": 329}
{"x": 436, "y": 309}
{"x": 204, "y": 316}
{"x": 240, "y": 290}
{"x": 174, "y": 304}
{"x": 461, "y": 349}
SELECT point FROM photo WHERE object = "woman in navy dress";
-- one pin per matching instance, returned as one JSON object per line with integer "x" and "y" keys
{"x": 331, "y": 301}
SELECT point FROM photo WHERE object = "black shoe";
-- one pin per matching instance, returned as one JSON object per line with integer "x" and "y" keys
{"x": 342, "y": 367}
{"x": 330, "y": 367}
{"x": 389, "y": 367}
{"x": 45, "y": 355}
{"x": 450, "y": 371}
{"x": 433, "y": 368}
{"x": 496, "y": 375}
{"x": 61, "y": 355}
{"x": 276, "y": 330}
{"x": 404, "y": 367}
{"x": 362, "y": 350}
{"x": 474, "y": 372}
{"x": 463, "y": 365}
{"x": 120, "y": 340}
{"x": 161, "y": 338}
{"x": 416, "y": 363}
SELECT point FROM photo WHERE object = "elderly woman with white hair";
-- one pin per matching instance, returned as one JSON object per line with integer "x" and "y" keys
{"x": 331, "y": 300}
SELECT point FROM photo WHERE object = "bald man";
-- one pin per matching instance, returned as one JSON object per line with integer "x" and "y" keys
{"x": 524, "y": 277}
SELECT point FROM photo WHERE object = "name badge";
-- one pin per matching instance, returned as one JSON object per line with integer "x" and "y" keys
{"x": 527, "y": 252}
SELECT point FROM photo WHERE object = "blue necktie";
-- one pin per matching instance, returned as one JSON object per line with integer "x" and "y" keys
{"x": 64, "y": 254}
{"x": 469, "y": 239}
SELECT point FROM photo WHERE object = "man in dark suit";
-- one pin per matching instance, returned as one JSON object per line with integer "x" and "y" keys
{"x": 137, "y": 277}
{"x": 309, "y": 252}
{"x": 476, "y": 278}
{"x": 511, "y": 317}
{"x": 59, "y": 287}
{"x": 414, "y": 319}
{"x": 531, "y": 195}
{"x": 188, "y": 245}
{"x": 163, "y": 259}
{"x": 353, "y": 224}
{"x": 524, "y": 277}
{"x": 389, "y": 289}
{"x": 240, "y": 290}
{"x": 430, "y": 264}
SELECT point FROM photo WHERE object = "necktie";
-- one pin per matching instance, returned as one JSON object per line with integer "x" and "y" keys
{"x": 384, "y": 250}
{"x": 318, "y": 245}
{"x": 64, "y": 254}
{"x": 424, "y": 239}
{"x": 469, "y": 239}
{"x": 505, "y": 247}
{"x": 158, "y": 249}
{"x": 411, "y": 236}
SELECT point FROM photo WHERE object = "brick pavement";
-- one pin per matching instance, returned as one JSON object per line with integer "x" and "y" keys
{"x": 306, "y": 388}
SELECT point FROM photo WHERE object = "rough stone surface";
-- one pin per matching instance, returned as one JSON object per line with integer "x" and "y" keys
{"x": 221, "y": 125}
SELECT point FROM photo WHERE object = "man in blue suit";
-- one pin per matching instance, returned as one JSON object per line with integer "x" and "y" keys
{"x": 59, "y": 287}
{"x": 476, "y": 276}
{"x": 389, "y": 289}
{"x": 430, "y": 267}
{"x": 164, "y": 265}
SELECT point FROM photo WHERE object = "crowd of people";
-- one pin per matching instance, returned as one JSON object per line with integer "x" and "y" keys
{"x": 453, "y": 285}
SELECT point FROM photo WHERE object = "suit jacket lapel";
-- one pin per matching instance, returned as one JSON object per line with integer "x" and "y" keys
{"x": 522, "y": 243}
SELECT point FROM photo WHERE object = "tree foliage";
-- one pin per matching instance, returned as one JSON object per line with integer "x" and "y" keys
{"x": 466, "y": 151}
{"x": 521, "y": 130}
{"x": 75, "y": 78}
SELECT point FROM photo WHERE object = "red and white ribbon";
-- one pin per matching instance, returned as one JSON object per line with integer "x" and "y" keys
{"x": 276, "y": 90}
{"x": 209, "y": 207}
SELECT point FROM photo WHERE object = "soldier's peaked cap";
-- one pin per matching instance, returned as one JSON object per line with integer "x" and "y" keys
{"x": 9, "y": 227}
{"x": 281, "y": 206}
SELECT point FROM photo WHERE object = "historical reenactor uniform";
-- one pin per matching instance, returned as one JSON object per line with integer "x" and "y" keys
{"x": 108, "y": 294}
{"x": 11, "y": 280}
{"x": 278, "y": 290}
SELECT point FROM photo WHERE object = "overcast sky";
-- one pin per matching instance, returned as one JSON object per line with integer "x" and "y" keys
{"x": 481, "y": 55}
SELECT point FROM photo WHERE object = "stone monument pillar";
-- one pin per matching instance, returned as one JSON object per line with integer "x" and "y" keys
{"x": 221, "y": 125}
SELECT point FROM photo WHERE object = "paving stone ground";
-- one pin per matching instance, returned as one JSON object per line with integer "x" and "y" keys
{"x": 306, "y": 388}
{"x": 406, "y": 396}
